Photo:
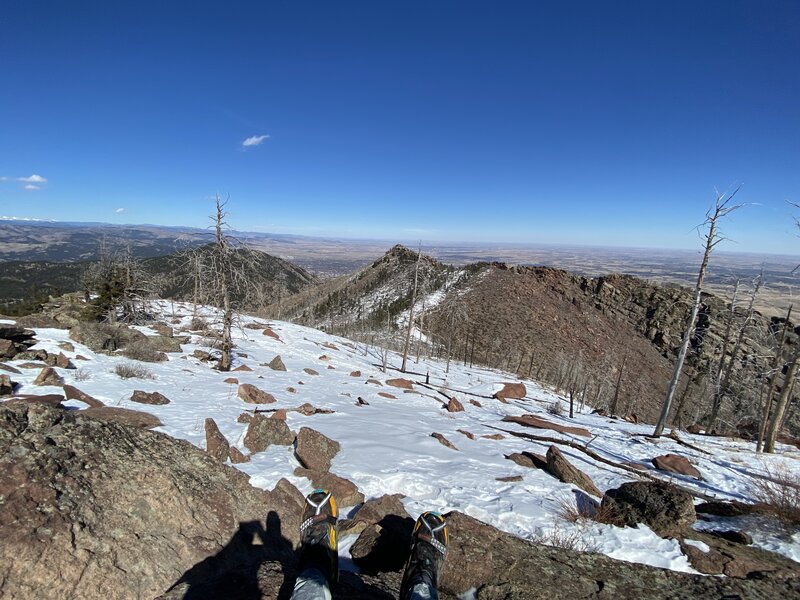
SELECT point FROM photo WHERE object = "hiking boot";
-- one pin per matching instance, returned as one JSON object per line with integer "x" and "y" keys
{"x": 318, "y": 549}
{"x": 428, "y": 548}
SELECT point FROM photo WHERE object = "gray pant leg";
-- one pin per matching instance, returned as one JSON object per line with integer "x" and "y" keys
{"x": 311, "y": 585}
{"x": 422, "y": 591}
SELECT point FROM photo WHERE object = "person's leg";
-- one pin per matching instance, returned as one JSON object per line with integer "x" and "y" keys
{"x": 319, "y": 558}
{"x": 428, "y": 549}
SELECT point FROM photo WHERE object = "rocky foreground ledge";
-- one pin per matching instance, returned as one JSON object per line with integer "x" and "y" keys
{"x": 96, "y": 509}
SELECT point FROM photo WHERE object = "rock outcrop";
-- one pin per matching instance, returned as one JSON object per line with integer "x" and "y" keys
{"x": 100, "y": 510}
{"x": 95, "y": 509}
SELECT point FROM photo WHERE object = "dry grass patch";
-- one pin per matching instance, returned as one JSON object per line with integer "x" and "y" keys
{"x": 133, "y": 371}
{"x": 779, "y": 496}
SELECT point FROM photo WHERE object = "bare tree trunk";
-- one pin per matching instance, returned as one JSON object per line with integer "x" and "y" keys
{"x": 613, "y": 408}
{"x": 720, "y": 209}
{"x": 776, "y": 362}
{"x": 411, "y": 312}
{"x": 788, "y": 384}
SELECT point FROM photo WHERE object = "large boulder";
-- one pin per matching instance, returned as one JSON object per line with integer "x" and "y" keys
{"x": 154, "y": 398}
{"x": 95, "y": 509}
{"x": 673, "y": 463}
{"x": 514, "y": 391}
{"x": 107, "y": 337}
{"x": 314, "y": 450}
{"x": 263, "y": 432}
{"x": 666, "y": 509}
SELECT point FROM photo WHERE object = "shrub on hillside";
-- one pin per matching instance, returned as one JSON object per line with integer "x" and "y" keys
{"x": 133, "y": 371}
{"x": 779, "y": 494}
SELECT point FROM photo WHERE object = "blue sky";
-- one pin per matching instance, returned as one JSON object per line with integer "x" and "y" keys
{"x": 575, "y": 122}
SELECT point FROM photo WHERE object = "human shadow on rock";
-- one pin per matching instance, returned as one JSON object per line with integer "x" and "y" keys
{"x": 233, "y": 573}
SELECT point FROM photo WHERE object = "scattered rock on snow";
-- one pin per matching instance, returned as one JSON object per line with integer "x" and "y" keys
{"x": 509, "y": 478}
{"x": 513, "y": 391}
{"x": 67, "y": 346}
{"x": 73, "y": 393}
{"x": 216, "y": 443}
{"x": 476, "y": 403}
{"x": 252, "y": 395}
{"x": 539, "y": 423}
{"x": 355, "y": 374}
{"x": 466, "y": 433}
{"x": 725, "y": 509}
{"x": 10, "y": 369}
{"x": 244, "y": 418}
{"x": 387, "y": 395}
{"x": 310, "y": 371}
{"x": 48, "y": 376}
{"x": 243, "y": 368}
{"x": 454, "y": 406}
{"x": 528, "y": 459}
{"x": 405, "y": 384}
{"x": 314, "y": 450}
{"x": 276, "y": 364}
{"x": 443, "y": 440}
{"x": 231, "y": 380}
{"x": 560, "y": 468}
{"x": 156, "y": 398}
{"x": 673, "y": 463}
{"x": 270, "y": 333}
{"x": 494, "y": 436}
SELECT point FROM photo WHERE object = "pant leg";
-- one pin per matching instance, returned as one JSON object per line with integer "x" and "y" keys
{"x": 311, "y": 585}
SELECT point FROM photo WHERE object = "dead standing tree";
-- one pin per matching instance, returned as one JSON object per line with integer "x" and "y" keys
{"x": 722, "y": 384}
{"x": 227, "y": 268}
{"x": 722, "y": 207}
{"x": 411, "y": 311}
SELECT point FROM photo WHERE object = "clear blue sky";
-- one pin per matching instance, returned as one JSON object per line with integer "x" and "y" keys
{"x": 575, "y": 122}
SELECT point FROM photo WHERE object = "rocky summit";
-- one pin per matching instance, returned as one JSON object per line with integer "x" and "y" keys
{"x": 100, "y": 509}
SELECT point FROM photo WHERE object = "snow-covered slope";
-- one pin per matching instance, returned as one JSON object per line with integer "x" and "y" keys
{"x": 386, "y": 446}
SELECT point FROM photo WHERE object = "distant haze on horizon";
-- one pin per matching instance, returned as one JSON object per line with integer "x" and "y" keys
{"x": 577, "y": 123}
